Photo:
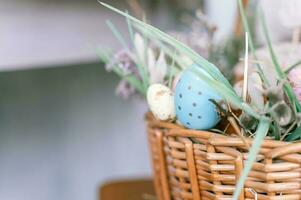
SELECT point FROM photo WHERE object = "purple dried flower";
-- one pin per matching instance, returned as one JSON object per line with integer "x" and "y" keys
{"x": 123, "y": 61}
{"x": 297, "y": 91}
{"x": 200, "y": 37}
{"x": 295, "y": 76}
{"x": 124, "y": 89}
{"x": 295, "y": 79}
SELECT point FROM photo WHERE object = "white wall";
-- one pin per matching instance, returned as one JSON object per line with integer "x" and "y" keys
{"x": 223, "y": 14}
{"x": 63, "y": 132}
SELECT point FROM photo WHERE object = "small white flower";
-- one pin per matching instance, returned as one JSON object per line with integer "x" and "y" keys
{"x": 295, "y": 76}
{"x": 151, "y": 59}
{"x": 157, "y": 68}
{"x": 139, "y": 47}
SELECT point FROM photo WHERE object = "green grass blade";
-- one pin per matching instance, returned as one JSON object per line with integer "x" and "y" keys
{"x": 252, "y": 47}
{"x": 171, "y": 54}
{"x": 142, "y": 69}
{"x": 171, "y": 70}
{"x": 261, "y": 132}
{"x": 217, "y": 80}
{"x": 208, "y": 67}
{"x": 212, "y": 70}
{"x": 226, "y": 94}
{"x": 117, "y": 34}
{"x": 276, "y": 131}
{"x": 130, "y": 29}
{"x": 280, "y": 73}
{"x": 131, "y": 79}
{"x": 296, "y": 64}
{"x": 277, "y": 66}
{"x": 294, "y": 135}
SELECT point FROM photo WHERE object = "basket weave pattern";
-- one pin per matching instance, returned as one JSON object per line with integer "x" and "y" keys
{"x": 189, "y": 164}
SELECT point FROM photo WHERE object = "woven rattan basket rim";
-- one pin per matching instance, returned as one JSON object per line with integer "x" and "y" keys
{"x": 215, "y": 138}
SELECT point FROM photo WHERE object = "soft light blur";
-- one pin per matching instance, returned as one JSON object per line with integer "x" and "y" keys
{"x": 63, "y": 132}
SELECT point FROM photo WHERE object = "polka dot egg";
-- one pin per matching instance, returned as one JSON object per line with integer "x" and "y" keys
{"x": 193, "y": 107}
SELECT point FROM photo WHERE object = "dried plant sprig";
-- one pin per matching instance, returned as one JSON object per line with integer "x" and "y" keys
{"x": 252, "y": 47}
{"x": 246, "y": 69}
{"x": 232, "y": 119}
{"x": 248, "y": 122}
{"x": 136, "y": 8}
{"x": 238, "y": 130}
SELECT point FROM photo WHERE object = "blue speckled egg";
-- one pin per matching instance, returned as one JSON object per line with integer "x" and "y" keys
{"x": 193, "y": 108}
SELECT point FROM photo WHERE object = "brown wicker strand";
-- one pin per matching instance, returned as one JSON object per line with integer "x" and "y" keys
{"x": 201, "y": 165}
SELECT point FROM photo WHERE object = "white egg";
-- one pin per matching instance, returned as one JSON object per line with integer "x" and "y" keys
{"x": 161, "y": 102}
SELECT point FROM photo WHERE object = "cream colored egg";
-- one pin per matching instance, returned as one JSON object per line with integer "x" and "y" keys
{"x": 161, "y": 102}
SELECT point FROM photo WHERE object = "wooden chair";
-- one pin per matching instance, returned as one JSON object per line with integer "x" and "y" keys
{"x": 140, "y": 189}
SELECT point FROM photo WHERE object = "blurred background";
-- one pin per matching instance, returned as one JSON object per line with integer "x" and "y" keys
{"x": 63, "y": 131}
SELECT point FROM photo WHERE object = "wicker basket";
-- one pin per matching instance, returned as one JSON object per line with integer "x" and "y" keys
{"x": 189, "y": 164}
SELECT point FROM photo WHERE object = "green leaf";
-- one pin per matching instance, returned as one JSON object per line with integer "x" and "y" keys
{"x": 276, "y": 130}
{"x": 261, "y": 132}
{"x": 294, "y": 135}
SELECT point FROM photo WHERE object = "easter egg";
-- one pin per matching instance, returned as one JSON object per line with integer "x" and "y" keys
{"x": 161, "y": 102}
{"x": 192, "y": 101}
